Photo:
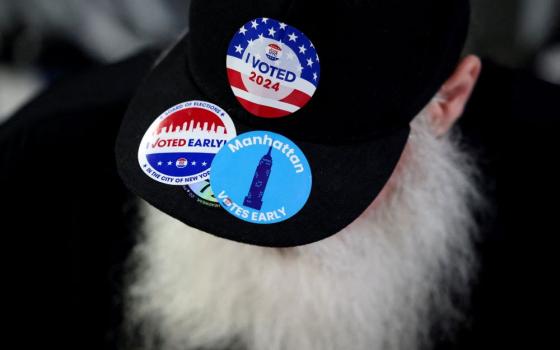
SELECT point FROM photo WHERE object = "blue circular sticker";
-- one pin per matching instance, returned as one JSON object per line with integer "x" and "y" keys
{"x": 261, "y": 177}
{"x": 273, "y": 68}
{"x": 181, "y": 143}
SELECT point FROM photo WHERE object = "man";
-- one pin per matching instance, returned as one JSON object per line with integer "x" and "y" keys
{"x": 395, "y": 271}
{"x": 396, "y": 276}
{"x": 380, "y": 283}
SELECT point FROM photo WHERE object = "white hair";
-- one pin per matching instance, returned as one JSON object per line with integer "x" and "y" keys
{"x": 384, "y": 282}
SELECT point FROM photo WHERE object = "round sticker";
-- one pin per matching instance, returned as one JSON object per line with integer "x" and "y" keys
{"x": 261, "y": 177}
{"x": 181, "y": 143}
{"x": 202, "y": 192}
{"x": 273, "y": 68}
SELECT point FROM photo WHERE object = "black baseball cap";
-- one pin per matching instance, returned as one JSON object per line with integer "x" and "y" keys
{"x": 380, "y": 63}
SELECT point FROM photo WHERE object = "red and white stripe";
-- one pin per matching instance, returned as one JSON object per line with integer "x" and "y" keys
{"x": 262, "y": 106}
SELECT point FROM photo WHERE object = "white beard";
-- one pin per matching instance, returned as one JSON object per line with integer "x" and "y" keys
{"x": 384, "y": 282}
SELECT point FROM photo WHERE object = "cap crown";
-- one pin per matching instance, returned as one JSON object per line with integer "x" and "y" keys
{"x": 381, "y": 61}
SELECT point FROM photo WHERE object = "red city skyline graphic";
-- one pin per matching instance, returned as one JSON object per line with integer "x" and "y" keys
{"x": 191, "y": 119}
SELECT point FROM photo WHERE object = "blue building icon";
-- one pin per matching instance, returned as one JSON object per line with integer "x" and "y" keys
{"x": 260, "y": 179}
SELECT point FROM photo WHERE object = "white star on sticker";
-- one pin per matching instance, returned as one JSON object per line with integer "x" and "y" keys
{"x": 159, "y": 163}
{"x": 249, "y": 42}
{"x": 264, "y": 20}
{"x": 193, "y": 162}
{"x": 311, "y": 45}
{"x": 169, "y": 163}
{"x": 282, "y": 25}
{"x": 271, "y": 32}
{"x": 254, "y": 24}
{"x": 317, "y": 57}
{"x": 238, "y": 49}
{"x": 302, "y": 49}
{"x": 309, "y": 62}
{"x": 293, "y": 37}
{"x": 204, "y": 163}
{"x": 243, "y": 30}
{"x": 261, "y": 37}
{"x": 315, "y": 76}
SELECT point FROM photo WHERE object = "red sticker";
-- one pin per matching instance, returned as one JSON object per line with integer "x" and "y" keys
{"x": 273, "y": 68}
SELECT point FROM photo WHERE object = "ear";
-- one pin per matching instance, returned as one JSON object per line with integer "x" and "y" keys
{"x": 450, "y": 101}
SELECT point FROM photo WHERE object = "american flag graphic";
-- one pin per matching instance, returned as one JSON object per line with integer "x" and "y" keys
{"x": 273, "y": 68}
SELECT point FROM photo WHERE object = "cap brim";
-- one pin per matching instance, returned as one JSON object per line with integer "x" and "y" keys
{"x": 346, "y": 177}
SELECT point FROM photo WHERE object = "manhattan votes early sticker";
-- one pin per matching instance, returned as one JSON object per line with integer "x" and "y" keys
{"x": 261, "y": 177}
{"x": 273, "y": 68}
{"x": 181, "y": 143}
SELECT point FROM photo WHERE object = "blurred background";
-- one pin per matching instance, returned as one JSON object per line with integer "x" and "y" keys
{"x": 69, "y": 264}
{"x": 44, "y": 40}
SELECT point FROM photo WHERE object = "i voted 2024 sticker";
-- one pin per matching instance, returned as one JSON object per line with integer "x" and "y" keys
{"x": 273, "y": 68}
{"x": 261, "y": 177}
{"x": 181, "y": 143}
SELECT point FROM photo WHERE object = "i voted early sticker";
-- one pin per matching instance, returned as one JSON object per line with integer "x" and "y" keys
{"x": 181, "y": 143}
{"x": 261, "y": 177}
{"x": 273, "y": 68}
